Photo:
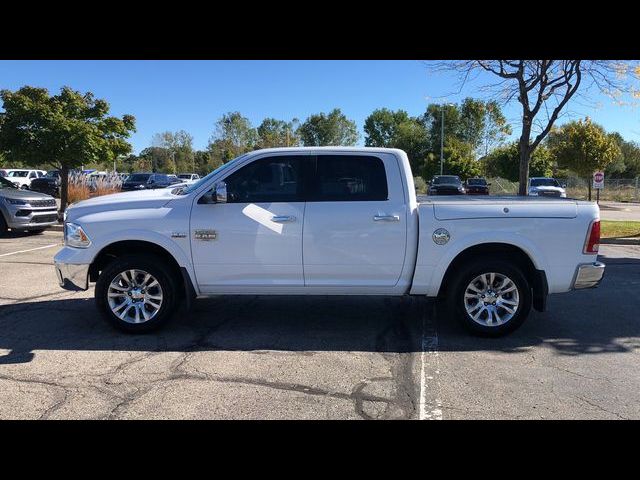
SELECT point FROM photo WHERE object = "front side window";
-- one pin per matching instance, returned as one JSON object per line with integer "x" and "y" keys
{"x": 271, "y": 179}
{"x": 349, "y": 178}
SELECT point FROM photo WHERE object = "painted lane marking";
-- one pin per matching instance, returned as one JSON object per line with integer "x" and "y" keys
{"x": 30, "y": 250}
{"x": 429, "y": 410}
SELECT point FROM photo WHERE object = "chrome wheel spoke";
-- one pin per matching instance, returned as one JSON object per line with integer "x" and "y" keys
{"x": 126, "y": 292}
{"x": 495, "y": 302}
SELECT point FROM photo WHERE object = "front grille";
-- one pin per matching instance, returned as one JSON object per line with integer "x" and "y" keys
{"x": 45, "y": 218}
{"x": 549, "y": 194}
{"x": 42, "y": 203}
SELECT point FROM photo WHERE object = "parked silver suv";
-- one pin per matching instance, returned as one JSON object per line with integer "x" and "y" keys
{"x": 25, "y": 210}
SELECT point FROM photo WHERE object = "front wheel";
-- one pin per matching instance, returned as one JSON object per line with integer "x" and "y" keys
{"x": 490, "y": 297}
{"x": 136, "y": 293}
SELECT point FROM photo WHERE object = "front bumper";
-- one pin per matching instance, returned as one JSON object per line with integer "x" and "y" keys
{"x": 72, "y": 277}
{"x": 35, "y": 219}
{"x": 588, "y": 275}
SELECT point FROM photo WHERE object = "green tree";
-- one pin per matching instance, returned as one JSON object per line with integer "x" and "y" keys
{"x": 232, "y": 137}
{"x": 156, "y": 159}
{"x": 278, "y": 133}
{"x": 627, "y": 165}
{"x": 179, "y": 146}
{"x": 386, "y": 128}
{"x": 205, "y": 162}
{"x": 543, "y": 88}
{"x": 504, "y": 162}
{"x": 478, "y": 123}
{"x": 328, "y": 129}
{"x": 458, "y": 160}
{"x": 65, "y": 130}
{"x": 583, "y": 147}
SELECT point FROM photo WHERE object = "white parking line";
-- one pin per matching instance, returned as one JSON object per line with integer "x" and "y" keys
{"x": 429, "y": 410}
{"x": 30, "y": 250}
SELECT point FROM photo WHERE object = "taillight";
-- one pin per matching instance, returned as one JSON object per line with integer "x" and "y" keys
{"x": 593, "y": 239}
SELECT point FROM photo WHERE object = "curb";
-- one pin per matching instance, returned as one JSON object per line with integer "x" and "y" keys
{"x": 620, "y": 241}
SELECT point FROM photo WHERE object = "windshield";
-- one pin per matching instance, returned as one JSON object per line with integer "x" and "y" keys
{"x": 138, "y": 177}
{"x": 476, "y": 181}
{"x": 193, "y": 187}
{"x": 52, "y": 174}
{"x": 19, "y": 173}
{"x": 544, "y": 182}
{"x": 446, "y": 179}
{"x": 6, "y": 183}
{"x": 188, "y": 177}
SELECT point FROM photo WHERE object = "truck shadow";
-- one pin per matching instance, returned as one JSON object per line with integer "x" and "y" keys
{"x": 603, "y": 320}
{"x": 247, "y": 323}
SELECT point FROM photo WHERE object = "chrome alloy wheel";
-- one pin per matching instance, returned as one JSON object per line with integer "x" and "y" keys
{"x": 491, "y": 299}
{"x": 135, "y": 296}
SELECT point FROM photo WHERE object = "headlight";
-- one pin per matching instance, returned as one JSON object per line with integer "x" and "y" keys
{"x": 533, "y": 192}
{"x": 15, "y": 201}
{"x": 74, "y": 236}
{"x": 140, "y": 186}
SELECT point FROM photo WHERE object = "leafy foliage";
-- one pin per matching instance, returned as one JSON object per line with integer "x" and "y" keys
{"x": 328, "y": 129}
{"x": 233, "y": 136}
{"x": 504, "y": 162}
{"x": 278, "y": 133}
{"x": 583, "y": 147}
{"x": 386, "y": 128}
{"x": 65, "y": 130}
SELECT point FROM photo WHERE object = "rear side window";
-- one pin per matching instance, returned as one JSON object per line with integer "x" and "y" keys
{"x": 353, "y": 178}
{"x": 266, "y": 180}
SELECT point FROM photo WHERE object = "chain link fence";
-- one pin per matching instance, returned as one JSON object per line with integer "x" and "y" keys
{"x": 615, "y": 189}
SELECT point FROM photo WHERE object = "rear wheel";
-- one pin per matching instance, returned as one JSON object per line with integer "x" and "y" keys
{"x": 3, "y": 225}
{"x": 490, "y": 297}
{"x": 136, "y": 293}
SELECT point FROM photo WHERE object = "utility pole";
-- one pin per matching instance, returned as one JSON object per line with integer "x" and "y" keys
{"x": 442, "y": 134}
{"x": 441, "y": 139}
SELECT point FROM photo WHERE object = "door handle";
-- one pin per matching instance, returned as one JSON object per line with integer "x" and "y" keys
{"x": 283, "y": 218}
{"x": 386, "y": 218}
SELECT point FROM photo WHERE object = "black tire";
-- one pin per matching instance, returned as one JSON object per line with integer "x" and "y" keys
{"x": 467, "y": 273}
{"x": 3, "y": 225}
{"x": 150, "y": 264}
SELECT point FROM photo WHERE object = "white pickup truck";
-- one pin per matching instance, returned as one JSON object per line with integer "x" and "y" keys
{"x": 326, "y": 221}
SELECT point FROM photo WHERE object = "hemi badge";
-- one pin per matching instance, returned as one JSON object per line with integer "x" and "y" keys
{"x": 178, "y": 235}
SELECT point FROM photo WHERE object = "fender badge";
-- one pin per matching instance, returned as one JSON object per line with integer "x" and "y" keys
{"x": 441, "y": 236}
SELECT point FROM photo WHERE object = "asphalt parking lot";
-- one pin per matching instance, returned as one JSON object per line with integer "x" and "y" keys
{"x": 313, "y": 358}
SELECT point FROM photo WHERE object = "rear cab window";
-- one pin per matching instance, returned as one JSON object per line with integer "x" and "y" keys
{"x": 340, "y": 178}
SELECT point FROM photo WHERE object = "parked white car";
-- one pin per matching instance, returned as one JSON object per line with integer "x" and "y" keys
{"x": 188, "y": 177}
{"x": 546, "y": 187}
{"x": 22, "y": 177}
{"x": 243, "y": 229}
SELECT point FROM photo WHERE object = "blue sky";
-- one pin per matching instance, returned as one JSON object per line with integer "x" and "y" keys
{"x": 192, "y": 95}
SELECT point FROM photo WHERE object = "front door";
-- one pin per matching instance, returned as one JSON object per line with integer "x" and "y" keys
{"x": 253, "y": 242}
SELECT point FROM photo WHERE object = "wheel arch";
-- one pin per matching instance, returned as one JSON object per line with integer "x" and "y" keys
{"x": 512, "y": 253}
{"x": 128, "y": 247}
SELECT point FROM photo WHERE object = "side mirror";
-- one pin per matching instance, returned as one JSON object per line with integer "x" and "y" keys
{"x": 220, "y": 190}
{"x": 218, "y": 194}
{"x": 564, "y": 185}
{"x": 488, "y": 184}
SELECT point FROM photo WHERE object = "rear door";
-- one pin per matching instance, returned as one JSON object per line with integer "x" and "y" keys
{"x": 355, "y": 225}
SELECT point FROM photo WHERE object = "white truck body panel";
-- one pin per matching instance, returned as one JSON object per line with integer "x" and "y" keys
{"x": 334, "y": 247}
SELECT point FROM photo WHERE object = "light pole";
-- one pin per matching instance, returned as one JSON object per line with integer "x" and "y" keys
{"x": 442, "y": 134}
